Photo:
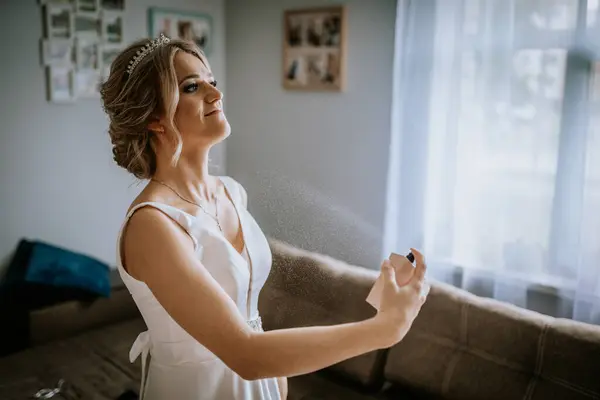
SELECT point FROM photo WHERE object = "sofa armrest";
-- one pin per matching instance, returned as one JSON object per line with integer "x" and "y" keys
{"x": 310, "y": 289}
{"x": 466, "y": 347}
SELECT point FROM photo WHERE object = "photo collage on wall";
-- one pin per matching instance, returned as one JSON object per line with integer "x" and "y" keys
{"x": 82, "y": 38}
{"x": 314, "y": 49}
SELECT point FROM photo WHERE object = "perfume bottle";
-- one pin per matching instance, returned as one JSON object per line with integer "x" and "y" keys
{"x": 404, "y": 270}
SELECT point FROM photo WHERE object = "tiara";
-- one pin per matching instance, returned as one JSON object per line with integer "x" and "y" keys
{"x": 147, "y": 49}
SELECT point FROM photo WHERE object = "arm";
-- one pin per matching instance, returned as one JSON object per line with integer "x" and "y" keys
{"x": 283, "y": 387}
{"x": 158, "y": 252}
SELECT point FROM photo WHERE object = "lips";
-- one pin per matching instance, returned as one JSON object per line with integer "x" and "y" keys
{"x": 213, "y": 112}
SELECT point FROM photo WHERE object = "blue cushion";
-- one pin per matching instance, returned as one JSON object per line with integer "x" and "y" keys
{"x": 51, "y": 265}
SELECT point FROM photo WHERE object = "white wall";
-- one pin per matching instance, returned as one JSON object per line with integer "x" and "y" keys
{"x": 58, "y": 182}
{"x": 314, "y": 164}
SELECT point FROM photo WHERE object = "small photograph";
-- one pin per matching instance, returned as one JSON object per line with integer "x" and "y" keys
{"x": 87, "y": 26}
{"x": 59, "y": 21}
{"x": 295, "y": 71}
{"x": 314, "y": 30}
{"x": 331, "y": 73}
{"x": 87, "y": 84}
{"x": 58, "y": 52}
{"x": 87, "y": 6}
{"x": 88, "y": 54}
{"x": 108, "y": 56}
{"x": 295, "y": 32}
{"x": 112, "y": 27}
{"x": 314, "y": 49}
{"x": 332, "y": 31}
{"x": 113, "y": 5}
{"x": 61, "y": 84}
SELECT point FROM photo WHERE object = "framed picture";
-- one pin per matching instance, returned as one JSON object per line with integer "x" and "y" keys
{"x": 61, "y": 84}
{"x": 87, "y": 6}
{"x": 112, "y": 5}
{"x": 57, "y": 52}
{"x": 59, "y": 21}
{"x": 87, "y": 54}
{"x": 108, "y": 55}
{"x": 314, "y": 49}
{"x": 112, "y": 27}
{"x": 183, "y": 25}
{"x": 87, "y": 25}
{"x": 87, "y": 83}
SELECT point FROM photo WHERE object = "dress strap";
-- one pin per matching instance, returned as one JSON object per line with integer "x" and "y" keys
{"x": 184, "y": 219}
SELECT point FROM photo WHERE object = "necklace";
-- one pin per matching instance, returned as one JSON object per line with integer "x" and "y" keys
{"x": 215, "y": 217}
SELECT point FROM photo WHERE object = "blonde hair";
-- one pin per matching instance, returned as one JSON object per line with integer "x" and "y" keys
{"x": 133, "y": 101}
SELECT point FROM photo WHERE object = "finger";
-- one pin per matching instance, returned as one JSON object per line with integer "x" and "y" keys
{"x": 388, "y": 272}
{"x": 421, "y": 267}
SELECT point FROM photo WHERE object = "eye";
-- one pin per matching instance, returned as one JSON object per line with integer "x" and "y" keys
{"x": 214, "y": 83}
{"x": 191, "y": 88}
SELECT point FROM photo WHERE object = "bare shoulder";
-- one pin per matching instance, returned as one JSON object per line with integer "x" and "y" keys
{"x": 148, "y": 236}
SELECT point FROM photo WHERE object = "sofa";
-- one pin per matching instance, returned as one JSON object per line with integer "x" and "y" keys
{"x": 460, "y": 347}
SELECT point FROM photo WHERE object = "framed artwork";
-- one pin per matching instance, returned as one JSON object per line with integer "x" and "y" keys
{"x": 81, "y": 40}
{"x": 112, "y": 27}
{"x": 86, "y": 83}
{"x": 87, "y": 6}
{"x": 61, "y": 84}
{"x": 57, "y": 52}
{"x": 59, "y": 21}
{"x": 182, "y": 25}
{"x": 87, "y": 54}
{"x": 87, "y": 25}
{"x": 314, "y": 49}
{"x": 108, "y": 55}
{"x": 113, "y": 5}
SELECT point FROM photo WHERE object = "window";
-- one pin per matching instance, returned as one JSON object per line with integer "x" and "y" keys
{"x": 498, "y": 117}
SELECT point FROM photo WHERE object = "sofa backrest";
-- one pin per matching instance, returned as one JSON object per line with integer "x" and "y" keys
{"x": 466, "y": 347}
{"x": 308, "y": 289}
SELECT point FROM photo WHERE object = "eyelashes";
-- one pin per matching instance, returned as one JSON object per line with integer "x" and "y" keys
{"x": 193, "y": 87}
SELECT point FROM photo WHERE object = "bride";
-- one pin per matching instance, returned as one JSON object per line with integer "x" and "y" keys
{"x": 192, "y": 256}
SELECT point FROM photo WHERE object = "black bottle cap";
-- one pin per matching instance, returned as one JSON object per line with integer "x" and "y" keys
{"x": 410, "y": 256}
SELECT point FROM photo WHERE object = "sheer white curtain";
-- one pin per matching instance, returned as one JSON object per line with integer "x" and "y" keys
{"x": 495, "y": 156}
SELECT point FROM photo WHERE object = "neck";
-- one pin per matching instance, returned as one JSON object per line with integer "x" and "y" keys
{"x": 190, "y": 177}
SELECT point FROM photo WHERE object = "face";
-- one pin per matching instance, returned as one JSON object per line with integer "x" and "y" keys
{"x": 199, "y": 115}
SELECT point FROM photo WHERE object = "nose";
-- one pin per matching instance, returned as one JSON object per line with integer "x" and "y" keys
{"x": 213, "y": 95}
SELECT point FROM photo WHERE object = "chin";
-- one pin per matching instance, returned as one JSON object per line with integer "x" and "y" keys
{"x": 222, "y": 133}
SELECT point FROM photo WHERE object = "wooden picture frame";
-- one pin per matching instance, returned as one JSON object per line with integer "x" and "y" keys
{"x": 314, "y": 49}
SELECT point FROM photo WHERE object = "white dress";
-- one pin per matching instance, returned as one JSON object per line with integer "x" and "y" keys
{"x": 180, "y": 367}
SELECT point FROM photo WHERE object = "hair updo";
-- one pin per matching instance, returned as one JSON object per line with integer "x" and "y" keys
{"x": 133, "y": 101}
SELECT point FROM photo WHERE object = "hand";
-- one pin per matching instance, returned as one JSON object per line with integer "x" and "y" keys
{"x": 400, "y": 305}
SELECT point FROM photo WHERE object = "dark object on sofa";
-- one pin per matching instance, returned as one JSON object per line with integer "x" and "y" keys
{"x": 41, "y": 275}
{"x": 461, "y": 347}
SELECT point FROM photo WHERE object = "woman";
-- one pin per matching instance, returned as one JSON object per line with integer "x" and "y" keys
{"x": 193, "y": 257}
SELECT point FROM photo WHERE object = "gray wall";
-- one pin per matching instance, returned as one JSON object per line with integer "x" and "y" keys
{"x": 58, "y": 182}
{"x": 314, "y": 164}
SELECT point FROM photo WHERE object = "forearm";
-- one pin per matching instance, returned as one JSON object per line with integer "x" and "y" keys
{"x": 283, "y": 387}
{"x": 298, "y": 351}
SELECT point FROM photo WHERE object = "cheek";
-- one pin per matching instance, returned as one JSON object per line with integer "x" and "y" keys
{"x": 189, "y": 110}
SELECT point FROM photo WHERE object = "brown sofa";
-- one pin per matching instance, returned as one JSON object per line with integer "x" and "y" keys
{"x": 461, "y": 346}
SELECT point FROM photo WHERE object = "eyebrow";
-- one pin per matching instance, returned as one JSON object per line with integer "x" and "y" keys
{"x": 210, "y": 76}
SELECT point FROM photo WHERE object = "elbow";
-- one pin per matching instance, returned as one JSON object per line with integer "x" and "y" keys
{"x": 254, "y": 369}
{"x": 251, "y": 364}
